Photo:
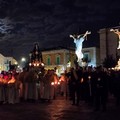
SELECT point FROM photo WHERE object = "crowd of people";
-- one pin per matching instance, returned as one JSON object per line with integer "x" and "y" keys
{"x": 9, "y": 88}
{"x": 29, "y": 85}
{"x": 92, "y": 85}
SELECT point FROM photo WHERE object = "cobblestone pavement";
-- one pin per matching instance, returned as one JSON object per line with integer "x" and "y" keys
{"x": 59, "y": 109}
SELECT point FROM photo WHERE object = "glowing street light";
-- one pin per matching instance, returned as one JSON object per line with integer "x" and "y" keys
{"x": 23, "y": 59}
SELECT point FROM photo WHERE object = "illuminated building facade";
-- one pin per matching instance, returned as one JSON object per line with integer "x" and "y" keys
{"x": 63, "y": 58}
{"x": 5, "y": 62}
{"x": 93, "y": 56}
{"x": 60, "y": 58}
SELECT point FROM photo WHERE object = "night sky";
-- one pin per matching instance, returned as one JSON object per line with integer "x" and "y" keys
{"x": 50, "y": 22}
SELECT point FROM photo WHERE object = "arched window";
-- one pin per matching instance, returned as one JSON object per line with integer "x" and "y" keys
{"x": 57, "y": 59}
{"x": 48, "y": 60}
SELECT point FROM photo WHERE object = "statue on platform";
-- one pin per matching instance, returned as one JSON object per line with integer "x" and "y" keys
{"x": 116, "y": 31}
{"x": 36, "y": 56}
{"x": 78, "y": 40}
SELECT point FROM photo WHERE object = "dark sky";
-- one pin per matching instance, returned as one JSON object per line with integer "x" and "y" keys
{"x": 50, "y": 22}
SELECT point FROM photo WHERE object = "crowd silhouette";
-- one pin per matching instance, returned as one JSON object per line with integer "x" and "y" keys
{"x": 92, "y": 85}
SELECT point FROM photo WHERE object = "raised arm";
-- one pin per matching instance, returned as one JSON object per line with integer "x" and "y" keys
{"x": 112, "y": 30}
{"x": 71, "y": 36}
{"x": 78, "y": 36}
{"x": 87, "y": 33}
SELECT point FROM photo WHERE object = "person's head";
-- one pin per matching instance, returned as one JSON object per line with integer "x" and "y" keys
{"x": 9, "y": 75}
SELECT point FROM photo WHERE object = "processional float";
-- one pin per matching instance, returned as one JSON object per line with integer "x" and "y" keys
{"x": 78, "y": 40}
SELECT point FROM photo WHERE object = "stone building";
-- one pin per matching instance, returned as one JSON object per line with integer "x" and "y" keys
{"x": 108, "y": 44}
{"x": 64, "y": 58}
{"x": 58, "y": 58}
{"x": 93, "y": 56}
{"x": 5, "y": 62}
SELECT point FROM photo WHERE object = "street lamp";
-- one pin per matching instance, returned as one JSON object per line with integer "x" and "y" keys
{"x": 23, "y": 61}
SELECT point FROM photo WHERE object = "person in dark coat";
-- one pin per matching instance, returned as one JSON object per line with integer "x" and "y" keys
{"x": 75, "y": 86}
{"x": 101, "y": 89}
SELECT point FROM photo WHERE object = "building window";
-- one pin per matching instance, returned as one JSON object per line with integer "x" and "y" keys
{"x": 58, "y": 59}
{"x": 86, "y": 57}
{"x": 48, "y": 60}
{"x": 7, "y": 62}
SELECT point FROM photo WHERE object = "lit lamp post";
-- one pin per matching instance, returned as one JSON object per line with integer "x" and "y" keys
{"x": 89, "y": 81}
